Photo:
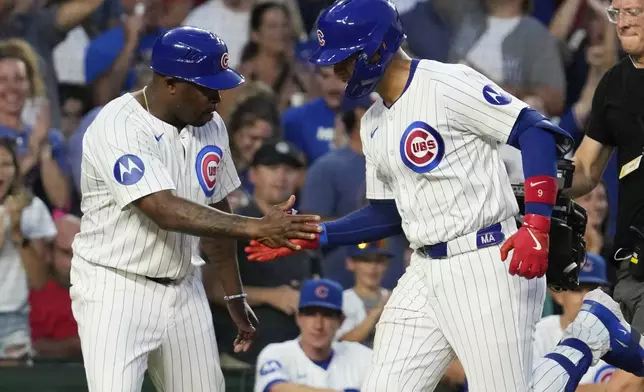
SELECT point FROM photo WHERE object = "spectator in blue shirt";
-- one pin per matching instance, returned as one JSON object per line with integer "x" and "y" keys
{"x": 113, "y": 57}
{"x": 310, "y": 126}
{"x": 334, "y": 187}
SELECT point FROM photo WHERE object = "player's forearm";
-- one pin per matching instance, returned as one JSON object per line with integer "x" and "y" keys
{"x": 376, "y": 221}
{"x": 173, "y": 213}
{"x": 50, "y": 348}
{"x": 215, "y": 292}
{"x": 222, "y": 253}
{"x": 292, "y": 387}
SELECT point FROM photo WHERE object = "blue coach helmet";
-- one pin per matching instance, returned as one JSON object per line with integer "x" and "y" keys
{"x": 194, "y": 55}
{"x": 368, "y": 27}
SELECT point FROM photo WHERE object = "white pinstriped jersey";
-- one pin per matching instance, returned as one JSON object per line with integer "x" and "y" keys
{"x": 128, "y": 154}
{"x": 436, "y": 152}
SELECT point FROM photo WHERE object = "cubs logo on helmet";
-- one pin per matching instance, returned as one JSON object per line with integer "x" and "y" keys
{"x": 224, "y": 60}
{"x": 321, "y": 37}
{"x": 421, "y": 147}
{"x": 206, "y": 166}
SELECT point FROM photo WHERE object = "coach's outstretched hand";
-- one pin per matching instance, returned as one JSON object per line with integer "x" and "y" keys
{"x": 246, "y": 322}
{"x": 281, "y": 228}
{"x": 530, "y": 244}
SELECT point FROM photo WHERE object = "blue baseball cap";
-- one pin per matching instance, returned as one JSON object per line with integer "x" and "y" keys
{"x": 368, "y": 250}
{"x": 594, "y": 270}
{"x": 321, "y": 293}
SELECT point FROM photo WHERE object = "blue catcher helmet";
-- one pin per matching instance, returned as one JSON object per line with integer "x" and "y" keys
{"x": 367, "y": 27}
{"x": 194, "y": 55}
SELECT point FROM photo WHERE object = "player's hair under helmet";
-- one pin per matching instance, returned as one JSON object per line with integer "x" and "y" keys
{"x": 194, "y": 55}
{"x": 371, "y": 28}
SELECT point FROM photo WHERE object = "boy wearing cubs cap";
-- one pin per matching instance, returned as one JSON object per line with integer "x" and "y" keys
{"x": 364, "y": 302}
{"x": 315, "y": 361}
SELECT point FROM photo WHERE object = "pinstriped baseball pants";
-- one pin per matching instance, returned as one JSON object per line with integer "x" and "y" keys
{"x": 128, "y": 324}
{"x": 468, "y": 306}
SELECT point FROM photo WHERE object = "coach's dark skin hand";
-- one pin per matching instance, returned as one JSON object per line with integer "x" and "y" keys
{"x": 278, "y": 226}
{"x": 246, "y": 322}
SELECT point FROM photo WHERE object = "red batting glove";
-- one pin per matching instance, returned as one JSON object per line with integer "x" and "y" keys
{"x": 256, "y": 251}
{"x": 530, "y": 244}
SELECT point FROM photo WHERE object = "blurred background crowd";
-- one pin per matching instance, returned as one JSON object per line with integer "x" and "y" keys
{"x": 291, "y": 132}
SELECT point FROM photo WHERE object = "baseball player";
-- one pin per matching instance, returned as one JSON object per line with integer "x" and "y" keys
{"x": 315, "y": 361}
{"x": 433, "y": 171}
{"x": 152, "y": 163}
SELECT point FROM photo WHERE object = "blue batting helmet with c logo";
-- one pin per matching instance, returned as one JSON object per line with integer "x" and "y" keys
{"x": 194, "y": 55}
{"x": 363, "y": 27}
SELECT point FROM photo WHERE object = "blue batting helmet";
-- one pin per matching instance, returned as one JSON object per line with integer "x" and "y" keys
{"x": 367, "y": 27}
{"x": 194, "y": 55}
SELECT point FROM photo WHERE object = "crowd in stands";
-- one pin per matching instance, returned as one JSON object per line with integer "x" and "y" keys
{"x": 292, "y": 131}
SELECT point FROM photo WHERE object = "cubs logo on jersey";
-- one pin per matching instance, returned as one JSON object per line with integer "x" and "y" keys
{"x": 206, "y": 166}
{"x": 421, "y": 147}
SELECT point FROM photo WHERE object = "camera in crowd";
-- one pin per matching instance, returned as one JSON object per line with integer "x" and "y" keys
{"x": 567, "y": 227}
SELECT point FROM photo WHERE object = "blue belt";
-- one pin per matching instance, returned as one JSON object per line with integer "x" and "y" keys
{"x": 488, "y": 236}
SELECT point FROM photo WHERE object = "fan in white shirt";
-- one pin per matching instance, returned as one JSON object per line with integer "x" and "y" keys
{"x": 314, "y": 362}
{"x": 364, "y": 302}
{"x": 550, "y": 329}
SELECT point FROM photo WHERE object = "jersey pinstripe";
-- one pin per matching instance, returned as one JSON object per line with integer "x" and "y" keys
{"x": 127, "y": 154}
{"x": 436, "y": 152}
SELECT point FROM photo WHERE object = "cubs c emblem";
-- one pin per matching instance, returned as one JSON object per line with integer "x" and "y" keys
{"x": 421, "y": 147}
{"x": 494, "y": 97}
{"x": 206, "y": 166}
{"x": 224, "y": 60}
{"x": 604, "y": 374}
{"x": 322, "y": 292}
{"x": 321, "y": 37}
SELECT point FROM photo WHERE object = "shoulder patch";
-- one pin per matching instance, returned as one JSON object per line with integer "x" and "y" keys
{"x": 269, "y": 366}
{"x": 128, "y": 169}
{"x": 496, "y": 96}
